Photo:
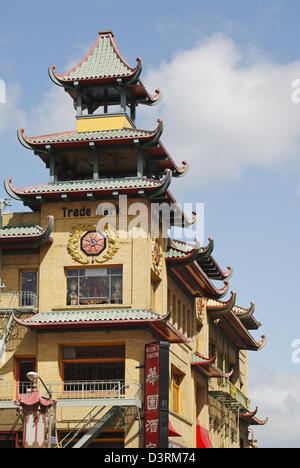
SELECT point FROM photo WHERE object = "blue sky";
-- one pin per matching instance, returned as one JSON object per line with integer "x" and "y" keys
{"x": 243, "y": 149}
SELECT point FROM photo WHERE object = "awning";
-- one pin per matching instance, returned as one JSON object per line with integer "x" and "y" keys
{"x": 203, "y": 440}
{"x": 172, "y": 432}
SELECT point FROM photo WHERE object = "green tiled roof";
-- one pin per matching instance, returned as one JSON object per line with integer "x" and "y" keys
{"x": 101, "y": 62}
{"x": 198, "y": 359}
{"x": 73, "y": 136}
{"x": 17, "y": 231}
{"x": 184, "y": 246}
{"x": 92, "y": 316}
{"x": 173, "y": 253}
{"x": 100, "y": 184}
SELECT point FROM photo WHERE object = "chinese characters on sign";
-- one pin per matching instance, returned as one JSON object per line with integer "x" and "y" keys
{"x": 152, "y": 367}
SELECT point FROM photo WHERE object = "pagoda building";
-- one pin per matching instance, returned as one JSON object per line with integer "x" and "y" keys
{"x": 127, "y": 328}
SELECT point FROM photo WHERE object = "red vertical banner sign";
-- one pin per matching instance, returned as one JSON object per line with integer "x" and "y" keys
{"x": 152, "y": 404}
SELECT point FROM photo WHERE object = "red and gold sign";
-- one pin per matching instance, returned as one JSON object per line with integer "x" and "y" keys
{"x": 152, "y": 395}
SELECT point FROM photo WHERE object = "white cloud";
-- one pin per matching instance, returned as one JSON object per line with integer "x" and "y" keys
{"x": 226, "y": 111}
{"x": 277, "y": 394}
{"x": 54, "y": 114}
{"x": 11, "y": 114}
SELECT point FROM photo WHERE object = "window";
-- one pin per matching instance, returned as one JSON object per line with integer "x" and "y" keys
{"x": 176, "y": 380}
{"x": 29, "y": 285}
{"x": 24, "y": 366}
{"x": 95, "y": 366}
{"x": 94, "y": 286}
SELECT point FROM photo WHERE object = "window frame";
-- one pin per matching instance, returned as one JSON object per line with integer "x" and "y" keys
{"x": 91, "y": 300}
{"x": 177, "y": 389}
{"x": 26, "y": 270}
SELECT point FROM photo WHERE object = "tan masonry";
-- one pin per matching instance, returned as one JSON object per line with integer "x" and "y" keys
{"x": 87, "y": 283}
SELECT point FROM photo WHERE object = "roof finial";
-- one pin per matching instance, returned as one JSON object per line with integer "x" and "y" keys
{"x": 105, "y": 32}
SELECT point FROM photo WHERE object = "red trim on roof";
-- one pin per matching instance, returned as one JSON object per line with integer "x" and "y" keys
{"x": 61, "y": 77}
{"x": 159, "y": 325}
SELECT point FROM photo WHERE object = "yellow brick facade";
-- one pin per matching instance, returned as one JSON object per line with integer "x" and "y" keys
{"x": 135, "y": 256}
{"x": 105, "y": 158}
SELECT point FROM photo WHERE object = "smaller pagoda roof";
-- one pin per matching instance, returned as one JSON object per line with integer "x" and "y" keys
{"x": 247, "y": 316}
{"x": 148, "y": 140}
{"x": 208, "y": 366}
{"x": 33, "y": 196}
{"x": 103, "y": 319}
{"x": 104, "y": 65}
{"x": 180, "y": 253}
{"x": 16, "y": 238}
{"x": 224, "y": 313}
{"x": 251, "y": 420}
{"x": 185, "y": 263}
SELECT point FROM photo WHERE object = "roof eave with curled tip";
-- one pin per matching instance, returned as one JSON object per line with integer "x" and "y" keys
{"x": 252, "y": 420}
{"x": 209, "y": 367}
{"x": 114, "y": 70}
{"x": 218, "y": 309}
{"x": 239, "y": 334}
{"x": 28, "y": 241}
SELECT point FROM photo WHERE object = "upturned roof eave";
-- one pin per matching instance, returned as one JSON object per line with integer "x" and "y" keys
{"x": 159, "y": 325}
{"x": 197, "y": 284}
{"x": 149, "y": 190}
{"x": 149, "y": 141}
{"x": 239, "y": 334}
{"x": 130, "y": 71}
{"x": 219, "y": 309}
{"x": 208, "y": 366}
{"x": 201, "y": 255}
{"x": 29, "y": 241}
{"x": 129, "y": 76}
{"x": 252, "y": 420}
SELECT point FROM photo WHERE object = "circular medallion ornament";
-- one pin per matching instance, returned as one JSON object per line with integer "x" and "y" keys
{"x": 93, "y": 243}
{"x": 86, "y": 244}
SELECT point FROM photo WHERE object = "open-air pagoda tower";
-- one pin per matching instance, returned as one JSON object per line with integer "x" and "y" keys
{"x": 136, "y": 325}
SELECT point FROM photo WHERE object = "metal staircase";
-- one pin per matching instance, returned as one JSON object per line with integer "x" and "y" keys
{"x": 97, "y": 427}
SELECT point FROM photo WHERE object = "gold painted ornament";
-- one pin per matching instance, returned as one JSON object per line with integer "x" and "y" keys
{"x": 86, "y": 244}
{"x": 157, "y": 256}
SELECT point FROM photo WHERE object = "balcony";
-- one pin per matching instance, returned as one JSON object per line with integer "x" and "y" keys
{"x": 23, "y": 301}
{"x": 78, "y": 393}
{"x": 227, "y": 394}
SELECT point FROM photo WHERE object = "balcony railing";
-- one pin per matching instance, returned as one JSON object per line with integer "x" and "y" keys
{"x": 18, "y": 299}
{"x": 78, "y": 392}
{"x": 225, "y": 392}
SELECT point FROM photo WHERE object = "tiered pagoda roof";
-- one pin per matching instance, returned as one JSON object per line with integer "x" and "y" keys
{"x": 14, "y": 239}
{"x": 100, "y": 73}
{"x": 234, "y": 320}
{"x": 106, "y": 318}
{"x": 208, "y": 366}
{"x": 195, "y": 268}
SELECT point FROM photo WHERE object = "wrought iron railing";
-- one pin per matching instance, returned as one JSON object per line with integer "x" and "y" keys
{"x": 229, "y": 395}
{"x": 75, "y": 390}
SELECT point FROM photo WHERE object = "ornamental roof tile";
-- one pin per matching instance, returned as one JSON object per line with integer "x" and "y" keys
{"x": 103, "y": 61}
{"x": 73, "y": 136}
{"x": 202, "y": 255}
{"x": 17, "y": 231}
{"x": 92, "y": 316}
{"x": 83, "y": 185}
{"x": 104, "y": 64}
